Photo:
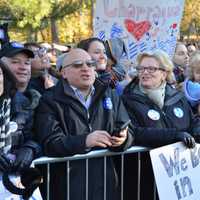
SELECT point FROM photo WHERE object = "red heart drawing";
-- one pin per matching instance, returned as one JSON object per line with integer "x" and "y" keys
{"x": 137, "y": 29}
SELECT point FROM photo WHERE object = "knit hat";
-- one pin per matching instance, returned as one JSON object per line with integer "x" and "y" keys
{"x": 192, "y": 91}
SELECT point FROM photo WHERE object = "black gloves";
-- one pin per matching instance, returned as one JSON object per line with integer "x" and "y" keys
{"x": 5, "y": 163}
{"x": 186, "y": 138}
{"x": 24, "y": 158}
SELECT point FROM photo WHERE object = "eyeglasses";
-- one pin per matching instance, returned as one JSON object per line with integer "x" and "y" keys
{"x": 149, "y": 69}
{"x": 40, "y": 52}
{"x": 79, "y": 64}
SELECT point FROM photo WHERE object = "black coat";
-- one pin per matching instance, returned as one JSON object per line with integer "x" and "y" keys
{"x": 62, "y": 125}
{"x": 175, "y": 116}
{"x": 37, "y": 83}
{"x": 23, "y": 107}
{"x": 153, "y": 127}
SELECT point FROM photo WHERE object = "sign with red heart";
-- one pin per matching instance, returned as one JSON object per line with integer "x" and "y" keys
{"x": 137, "y": 29}
{"x": 143, "y": 25}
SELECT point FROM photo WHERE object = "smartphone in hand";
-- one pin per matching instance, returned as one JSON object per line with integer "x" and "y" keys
{"x": 117, "y": 130}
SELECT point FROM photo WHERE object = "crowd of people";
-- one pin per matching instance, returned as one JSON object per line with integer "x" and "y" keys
{"x": 82, "y": 103}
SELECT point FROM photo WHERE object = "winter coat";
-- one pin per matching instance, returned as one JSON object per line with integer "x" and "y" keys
{"x": 62, "y": 125}
{"x": 37, "y": 83}
{"x": 176, "y": 115}
{"x": 23, "y": 106}
{"x": 153, "y": 127}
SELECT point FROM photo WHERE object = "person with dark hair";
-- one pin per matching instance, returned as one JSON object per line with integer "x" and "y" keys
{"x": 191, "y": 47}
{"x": 30, "y": 177}
{"x": 107, "y": 74}
{"x": 180, "y": 61}
{"x": 41, "y": 76}
{"x": 23, "y": 148}
{"x": 85, "y": 44}
{"x": 7, "y": 90}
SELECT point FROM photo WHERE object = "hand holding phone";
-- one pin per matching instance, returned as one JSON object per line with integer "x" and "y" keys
{"x": 117, "y": 130}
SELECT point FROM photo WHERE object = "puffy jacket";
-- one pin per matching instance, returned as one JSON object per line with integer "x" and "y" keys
{"x": 62, "y": 125}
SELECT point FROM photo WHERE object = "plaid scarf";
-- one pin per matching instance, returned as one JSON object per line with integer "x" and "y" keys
{"x": 5, "y": 134}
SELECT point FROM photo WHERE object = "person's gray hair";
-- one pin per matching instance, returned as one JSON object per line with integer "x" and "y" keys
{"x": 164, "y": 61}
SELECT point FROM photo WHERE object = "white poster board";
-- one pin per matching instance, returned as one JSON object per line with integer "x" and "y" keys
{"x": 144, "y": 25}
{"x": 177, "y": 171}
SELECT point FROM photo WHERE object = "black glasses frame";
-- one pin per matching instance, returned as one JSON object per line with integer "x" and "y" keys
{"x": 149, "y": 69}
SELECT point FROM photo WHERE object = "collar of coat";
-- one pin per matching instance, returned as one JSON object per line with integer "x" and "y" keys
{"x": 60, "y": 95}
{"x": 28, "y": 100}
{"x": 132, "y": 92}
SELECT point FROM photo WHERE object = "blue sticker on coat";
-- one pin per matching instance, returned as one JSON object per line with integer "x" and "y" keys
{"x": 107, "y": 103}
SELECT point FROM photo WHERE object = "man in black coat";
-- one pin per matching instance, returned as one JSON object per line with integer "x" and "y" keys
{"x": 78, "y": 115}
{"x": 23, "y": 147}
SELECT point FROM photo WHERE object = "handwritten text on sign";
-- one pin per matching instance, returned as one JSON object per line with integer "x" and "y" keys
{"x": 176, "y": 170}
{"x": 144, "y": 25}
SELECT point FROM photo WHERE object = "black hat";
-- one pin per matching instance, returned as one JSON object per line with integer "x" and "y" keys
{"x": 10, "y": 49}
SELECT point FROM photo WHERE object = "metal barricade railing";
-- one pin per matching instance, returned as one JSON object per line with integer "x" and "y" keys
{"x": 94, "y": 154}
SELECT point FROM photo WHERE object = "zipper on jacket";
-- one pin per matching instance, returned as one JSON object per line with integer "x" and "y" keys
{"x": 89, "y": 124}
{"x": 163, "y": 112}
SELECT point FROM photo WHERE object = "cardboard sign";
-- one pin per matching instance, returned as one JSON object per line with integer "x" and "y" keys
{"x": 6, "y": 195}
{"x": 144, "y": 25}
{"x": 176, "y": 170}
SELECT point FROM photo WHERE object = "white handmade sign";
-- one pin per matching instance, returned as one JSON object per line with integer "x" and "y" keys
{"x": 177, "y": 171}
{"x": 144, "y": 25}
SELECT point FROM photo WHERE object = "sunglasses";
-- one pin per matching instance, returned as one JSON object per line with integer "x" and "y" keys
{"x": 79, "y": 64}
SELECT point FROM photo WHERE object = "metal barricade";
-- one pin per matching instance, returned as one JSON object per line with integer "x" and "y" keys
{"x": 94, "y": 154}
